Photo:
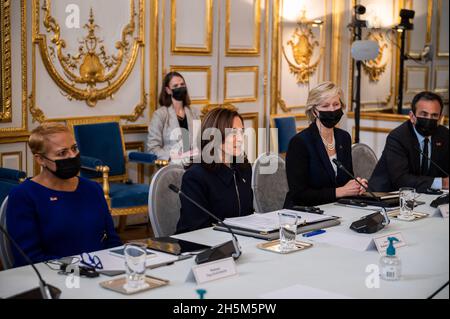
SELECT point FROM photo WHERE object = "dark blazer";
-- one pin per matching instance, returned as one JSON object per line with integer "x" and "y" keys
{"x": 399, "y": 165}
{"x": 217, "y": 192}
{"x": 310, "y": 176}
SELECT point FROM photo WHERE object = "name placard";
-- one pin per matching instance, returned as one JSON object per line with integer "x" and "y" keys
{"x": 214, "y": 270}
{"x": 382, "y": 242}
{"x": 443, "y": 209}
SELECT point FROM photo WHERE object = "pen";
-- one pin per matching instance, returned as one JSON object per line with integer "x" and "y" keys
{"x": 313, "y": 233}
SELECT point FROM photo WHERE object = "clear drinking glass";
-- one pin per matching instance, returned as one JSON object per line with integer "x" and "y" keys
{"x": 407, "y": 196}
{"x": 288, "y": 230}
{"x": 135, "y": 257}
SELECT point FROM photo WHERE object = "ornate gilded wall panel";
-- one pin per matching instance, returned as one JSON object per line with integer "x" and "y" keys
{"x": 85, "y": 67}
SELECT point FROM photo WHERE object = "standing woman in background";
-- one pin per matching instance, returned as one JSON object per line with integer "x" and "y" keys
{"x": 171, "y": 129}
{"x": 312, "y": 176}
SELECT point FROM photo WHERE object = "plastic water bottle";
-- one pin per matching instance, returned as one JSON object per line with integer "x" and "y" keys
{"x": 390, "y": 265}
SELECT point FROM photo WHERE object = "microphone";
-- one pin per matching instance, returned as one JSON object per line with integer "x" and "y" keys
{"x": 44, "y": 290}
{"x": 373, "y": 222}
{"x": 431, "y": 161}
{"x": 230, "y": 248}
{"x": 340, "y": 166}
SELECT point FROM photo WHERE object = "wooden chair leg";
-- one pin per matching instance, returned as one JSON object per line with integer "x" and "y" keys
{"x": 122, "y": 223}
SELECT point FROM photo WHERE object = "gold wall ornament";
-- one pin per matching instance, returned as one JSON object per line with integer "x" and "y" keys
{"x": 302, "y": 45}
{"x": 91, "y": 67}
{"x": 5, "y": 61}
{"x": 375, "y": 68}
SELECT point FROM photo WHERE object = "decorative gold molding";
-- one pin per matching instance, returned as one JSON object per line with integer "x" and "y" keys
{"x": 416, "y": 54}
{"x": 408, "y": 69}
{"x": 12, "y": 132}
{"x": 440, "y": 54}
{"x": 202, "y": 69}
{"x": 370, "y": 129}
{"x": 19, "y": 155}
{"x": 254, "y": 117}
{"x": 90, "y": 94}
{"x": 277, "y": 31}
{"x": 207, "y": 49}
{"x": 284, "y": 107}
{"x": 380, "y": 116}
{"x": 275, "y": 65}
{"x": 336, "y": 38}
{"x": 253, "y": 51}
{"x": 374, "y": 68}
{"x": 5, "y": 62}
{"x": 438, "y": 89}
{"x": 14, "y": 139}
{"x": 138, "y": 146}
{"x": 237, "y": 69}
{"x": 266, "y": 60}
{"x": 384, "y": 103}
{"x": 135, "y": 129}
{"x": 210, "y": 107}
{"x": 302, "y": 45}
{"x": 153, "y": 65}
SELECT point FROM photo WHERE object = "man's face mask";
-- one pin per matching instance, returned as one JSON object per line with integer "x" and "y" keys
{"x": 426, "y": 126}
{"x": 179, "y": 93}
{"x": 330, "y": 118}
{"x": 66, "y": 168}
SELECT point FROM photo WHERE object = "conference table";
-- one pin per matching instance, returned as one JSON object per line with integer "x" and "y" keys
{"x": 326, "y": 270}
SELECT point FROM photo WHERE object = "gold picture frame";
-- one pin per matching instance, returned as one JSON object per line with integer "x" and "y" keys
{"x": 5, "y": 61}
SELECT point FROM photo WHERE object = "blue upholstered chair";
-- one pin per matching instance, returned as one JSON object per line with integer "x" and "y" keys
{"x": 103, "y": 158}
{"x": 286, "y": 130}
{"x": 8, "y": 179}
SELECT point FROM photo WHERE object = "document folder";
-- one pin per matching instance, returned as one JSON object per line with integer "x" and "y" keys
{"x": 275, "y": 234}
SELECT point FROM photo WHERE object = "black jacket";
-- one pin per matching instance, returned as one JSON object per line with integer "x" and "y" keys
{"x": 399, "y": 165}
{"x": 217, "y": 192}
{"x": 310, "y": 176}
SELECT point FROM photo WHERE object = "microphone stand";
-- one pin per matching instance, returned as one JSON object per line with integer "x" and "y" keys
{"x": 383, "y": 209}
{"x": 237, "y": 250}
{"x": 43, "y": 287}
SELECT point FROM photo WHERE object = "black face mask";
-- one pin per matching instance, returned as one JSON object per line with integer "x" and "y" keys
{"x": 426, "y": 127}
{"x": 66, "y": 168}
{"x": 330, "y": 118}
{"x": 179, "y": 93}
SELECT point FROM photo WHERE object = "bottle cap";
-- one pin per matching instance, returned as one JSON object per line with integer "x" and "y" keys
{"x": 391, "y": 249}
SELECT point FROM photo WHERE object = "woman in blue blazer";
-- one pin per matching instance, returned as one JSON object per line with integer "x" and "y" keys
{"x": 312, "y": 176}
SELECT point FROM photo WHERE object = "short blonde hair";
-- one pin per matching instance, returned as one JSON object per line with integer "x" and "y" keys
{"x": 319, "y": 94}
{"x": 40, "y": 134}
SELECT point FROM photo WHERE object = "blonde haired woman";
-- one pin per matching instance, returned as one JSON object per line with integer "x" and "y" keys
{"x": 312, "y": 176}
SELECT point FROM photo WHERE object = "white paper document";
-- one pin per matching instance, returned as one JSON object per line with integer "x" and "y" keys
{"x": 302, "y": 292}
{"x": 111, "y": 262}
{"x": 269, "y": 221}
{"x": 345, "y": 240}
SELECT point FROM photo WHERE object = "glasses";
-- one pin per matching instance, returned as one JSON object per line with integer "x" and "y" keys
{"x": 92, "y": 261}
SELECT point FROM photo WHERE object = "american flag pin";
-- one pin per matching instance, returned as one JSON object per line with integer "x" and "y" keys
{"x": 52, "y": 199}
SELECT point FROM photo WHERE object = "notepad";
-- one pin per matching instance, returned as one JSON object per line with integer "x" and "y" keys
{"x": 268, "y": 222}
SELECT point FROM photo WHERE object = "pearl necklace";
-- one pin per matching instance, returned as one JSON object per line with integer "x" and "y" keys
{"x": 329, "y": 146}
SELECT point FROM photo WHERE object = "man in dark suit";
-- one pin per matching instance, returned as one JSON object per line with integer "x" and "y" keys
{"x": 402, "y": 164}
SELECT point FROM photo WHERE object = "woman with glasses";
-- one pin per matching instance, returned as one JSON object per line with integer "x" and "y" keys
{"x": 221, "y": 180}
{"x": 313, "y": 177}
{"x": 56, "y": 213}
{"x": 171, "y": 130}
